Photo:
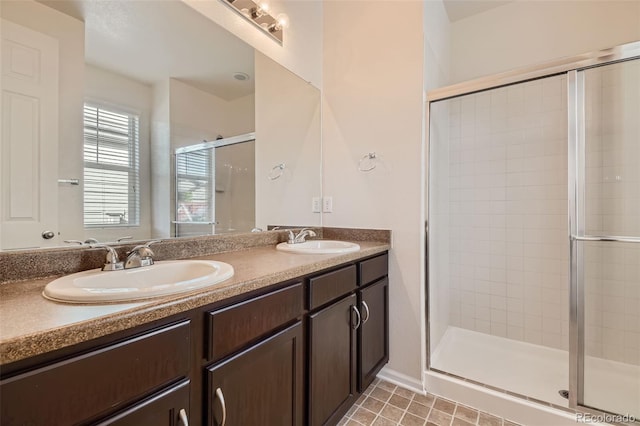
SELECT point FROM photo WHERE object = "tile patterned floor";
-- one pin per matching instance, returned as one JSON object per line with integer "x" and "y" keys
{"x": 385, "y": 404}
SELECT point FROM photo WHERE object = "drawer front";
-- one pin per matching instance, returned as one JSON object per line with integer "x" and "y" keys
{"x": 232, "y": 328}
{"x": 332, "y": 285}
{"x": 92, "y": 385}
{"x": 161, "y": 409}
{"x": 373, "y": 269}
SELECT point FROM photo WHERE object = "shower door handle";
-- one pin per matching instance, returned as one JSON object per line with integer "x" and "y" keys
{"x": 611, "y": 239}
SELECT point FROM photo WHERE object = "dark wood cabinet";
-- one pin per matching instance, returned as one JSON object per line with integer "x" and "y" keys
{"x": 262, "y": 385}
{"x": 373, "y": 334}
{"x": 332, "y": 361}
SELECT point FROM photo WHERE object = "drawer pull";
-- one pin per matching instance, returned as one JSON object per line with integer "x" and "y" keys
{"x": 366, "y": 310}
{"x": 220, "y": 397}
{"x": 353, "y": 307}
{"x": 184, "y": 419}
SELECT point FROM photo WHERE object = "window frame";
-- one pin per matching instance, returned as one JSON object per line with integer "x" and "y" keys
{"x": 133, "y": 171}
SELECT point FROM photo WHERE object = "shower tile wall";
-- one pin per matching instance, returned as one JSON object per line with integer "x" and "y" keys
{"x": 612, "y": 271}
{"x": 508, "y": 249}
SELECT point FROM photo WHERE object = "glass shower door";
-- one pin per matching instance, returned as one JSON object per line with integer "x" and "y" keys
{"x": 607, "y": 227}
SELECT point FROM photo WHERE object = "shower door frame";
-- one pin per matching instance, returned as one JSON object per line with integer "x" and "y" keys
{"x": 570, "y": 67}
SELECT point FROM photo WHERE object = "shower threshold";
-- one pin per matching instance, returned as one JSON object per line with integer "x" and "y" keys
{"x": 535, "y": 371}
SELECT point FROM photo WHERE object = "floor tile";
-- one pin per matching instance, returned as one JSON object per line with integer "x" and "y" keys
{"x": 439, "y": 418}
{"x": 444, "y": 405}
{"x": 467, "y": 414}
{"x": 399, "y": 401}
{"x": 373, "y": 405}
{"x": 385, "y": 404}
{"x": 392, "y": 413}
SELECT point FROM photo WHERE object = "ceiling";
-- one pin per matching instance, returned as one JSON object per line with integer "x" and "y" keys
{"x": 152, "y": 41}
{"x": 460, "y": 9}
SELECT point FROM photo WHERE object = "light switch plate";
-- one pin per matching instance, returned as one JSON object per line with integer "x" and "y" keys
{"x": 315, "y": 205}
{"x": 327, "y": 204}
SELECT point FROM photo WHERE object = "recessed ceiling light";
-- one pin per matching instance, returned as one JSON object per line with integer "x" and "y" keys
{"x": 241, "y": 76}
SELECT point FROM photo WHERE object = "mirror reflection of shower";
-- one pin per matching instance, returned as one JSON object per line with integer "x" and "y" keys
{"x": 215, "y": 186}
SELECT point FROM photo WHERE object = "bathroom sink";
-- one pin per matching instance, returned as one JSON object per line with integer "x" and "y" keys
{"x": 161, "y": 279}
{"x": 319, "y": 247}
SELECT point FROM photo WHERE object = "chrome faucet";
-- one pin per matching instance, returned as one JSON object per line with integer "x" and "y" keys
{"x": 300, "y": 237}
{"x": 112, "y": 262}
{"x": 139, "y": 256}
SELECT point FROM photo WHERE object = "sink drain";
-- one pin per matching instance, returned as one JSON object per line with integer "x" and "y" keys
{"x": 564, "y": 393}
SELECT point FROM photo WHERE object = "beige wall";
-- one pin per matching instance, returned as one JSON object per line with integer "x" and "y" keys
{"x": 530, "y": 32}
{"x": 301, "y": 51}
{"x": 373, "y": 102}
{"x": 287, "y": 131}
{"x": 70, "y": 34}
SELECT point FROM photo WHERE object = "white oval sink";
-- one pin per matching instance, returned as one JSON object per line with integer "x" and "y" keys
{"x": 161, "y": 279}
{"x": 319, "y": 247}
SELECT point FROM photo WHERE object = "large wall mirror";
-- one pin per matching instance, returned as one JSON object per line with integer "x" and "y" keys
{"x": 145, "y": 119}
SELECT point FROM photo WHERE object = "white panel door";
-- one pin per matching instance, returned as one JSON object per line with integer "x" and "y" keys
{"x": 29, "y": 138}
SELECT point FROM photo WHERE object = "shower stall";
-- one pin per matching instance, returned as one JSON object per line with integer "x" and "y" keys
{"x": 534, "y": 234}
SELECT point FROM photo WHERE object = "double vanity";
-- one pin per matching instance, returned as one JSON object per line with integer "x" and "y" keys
{"x": 288, "y": 339}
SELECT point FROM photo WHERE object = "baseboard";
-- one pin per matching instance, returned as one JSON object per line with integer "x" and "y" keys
{"x": 402, "y": 380}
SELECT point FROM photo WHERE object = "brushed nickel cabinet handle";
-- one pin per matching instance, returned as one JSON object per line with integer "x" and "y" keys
{"x": 366, "y": 310}
{"x": 220, "y": 397}
{"x": 184, "y": 419}
{"x": 357, "y": 316}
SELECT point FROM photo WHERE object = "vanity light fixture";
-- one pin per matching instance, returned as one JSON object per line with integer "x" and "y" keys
{"x": 257, "y": 12}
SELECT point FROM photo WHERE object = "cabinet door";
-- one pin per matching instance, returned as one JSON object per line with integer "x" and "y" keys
{"x": 373, "y": 334}
{"x": 168, "y": 408}
{"x": 332, "y": 362}
{"x": 262, "y": 385}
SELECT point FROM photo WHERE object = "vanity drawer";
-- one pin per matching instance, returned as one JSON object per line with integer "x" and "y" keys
{"x": 91, "y": 385}
{"x": 234, "y": 327}
{"x": 332, "y": 285}
{"x": 373, "y": 269}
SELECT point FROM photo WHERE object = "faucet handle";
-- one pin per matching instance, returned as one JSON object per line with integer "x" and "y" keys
{"x": 80, "y": 243}
{"x": 112, "y": 262}
{"x": 143, "y": 250}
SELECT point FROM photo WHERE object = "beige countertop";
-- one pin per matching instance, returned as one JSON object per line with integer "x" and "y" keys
{"x": 32, "y": 325}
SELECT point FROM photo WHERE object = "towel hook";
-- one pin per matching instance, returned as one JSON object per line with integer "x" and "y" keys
{"x": 276, "y": 171}
{"x": 367, "y": 162}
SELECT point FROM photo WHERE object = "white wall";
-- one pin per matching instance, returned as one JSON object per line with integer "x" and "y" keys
{"x": 70, "y": 34}
{"x": 508, "y": 255}
{"x": 301, "y": 51}
{"x": 110, "y": 89}
{"x": 526, "y": 32}
{"x": 287, "y": 131}
{"x": 373, "y": 102}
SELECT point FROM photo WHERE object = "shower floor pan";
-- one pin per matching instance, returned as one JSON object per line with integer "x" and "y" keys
{"x": 536, "y": 371}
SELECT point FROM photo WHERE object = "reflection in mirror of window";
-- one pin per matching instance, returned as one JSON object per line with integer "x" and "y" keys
{"x": 111, "y": 167}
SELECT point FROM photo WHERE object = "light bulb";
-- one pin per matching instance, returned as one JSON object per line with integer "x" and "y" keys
{"x": 263, "y": 8}
{"x": 283, "y": 20}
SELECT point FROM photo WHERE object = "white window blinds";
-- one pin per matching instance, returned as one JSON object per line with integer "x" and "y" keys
{"x": 111, "y": 168}
{"x": 194, "y": 180}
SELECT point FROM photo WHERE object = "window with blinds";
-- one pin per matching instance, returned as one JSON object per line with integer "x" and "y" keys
{"x": 194, "y": 181}
{"x": 111, "y": 168}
